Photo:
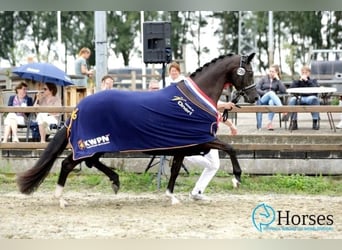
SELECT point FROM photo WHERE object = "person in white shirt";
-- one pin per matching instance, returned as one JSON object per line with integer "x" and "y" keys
{"x": 174, "y": 76}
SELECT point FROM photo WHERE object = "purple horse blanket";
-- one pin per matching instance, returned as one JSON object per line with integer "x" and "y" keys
{"x": 178, "y": 116}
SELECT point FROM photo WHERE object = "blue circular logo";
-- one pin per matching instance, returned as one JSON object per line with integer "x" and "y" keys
{"x": 262, "y": 216}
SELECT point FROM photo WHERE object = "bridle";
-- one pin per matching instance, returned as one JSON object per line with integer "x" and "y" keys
{"x": 241, "y": 72}
{"x": 236, "y": 98}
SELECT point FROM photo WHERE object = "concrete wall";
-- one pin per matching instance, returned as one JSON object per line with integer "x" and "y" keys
{"x": 251, "y": 166}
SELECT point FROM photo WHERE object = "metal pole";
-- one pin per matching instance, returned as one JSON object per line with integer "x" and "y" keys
{"x": 59, "y": 32}
{"x": 101, "y": 55}
{"x": 270, "y": 39}
{"x": 143, "y": 70}
{"x": 239, "y": 35}
{"x": 60, "y": 50}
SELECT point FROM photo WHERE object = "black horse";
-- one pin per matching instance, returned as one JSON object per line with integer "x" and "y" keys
{"x": 178, "y": 121}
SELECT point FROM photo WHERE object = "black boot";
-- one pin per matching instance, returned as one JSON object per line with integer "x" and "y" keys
{"x": 293, "y": 125}
{"x": 315, "y": 124}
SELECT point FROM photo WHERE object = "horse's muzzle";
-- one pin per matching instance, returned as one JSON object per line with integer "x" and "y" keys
{"x": 251, "y": 95}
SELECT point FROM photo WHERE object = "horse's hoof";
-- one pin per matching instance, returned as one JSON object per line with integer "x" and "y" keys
{"x": 62, "y": 203}
{"x": 175, "y": 201}
{"x": 236, "y": 183}
{"x": 115, "y": 188}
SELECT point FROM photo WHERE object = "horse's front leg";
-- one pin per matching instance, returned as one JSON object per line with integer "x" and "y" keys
{"x": 236, "y": 166}
{"x": 218, "y": 144}
{"x": 68, "y": 164}
{"x": 175, "y": 168}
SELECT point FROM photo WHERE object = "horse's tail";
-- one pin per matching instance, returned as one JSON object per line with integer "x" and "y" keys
{"x": 30, "y": 180}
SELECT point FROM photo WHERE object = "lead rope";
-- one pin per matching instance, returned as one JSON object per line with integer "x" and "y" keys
{"x": 235, "y": 101}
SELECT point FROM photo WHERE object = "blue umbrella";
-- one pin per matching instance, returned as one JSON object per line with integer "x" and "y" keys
{"x": 43, "y": 72}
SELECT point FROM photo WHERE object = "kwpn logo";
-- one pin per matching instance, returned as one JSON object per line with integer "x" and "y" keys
{"x": 263, "y": 216}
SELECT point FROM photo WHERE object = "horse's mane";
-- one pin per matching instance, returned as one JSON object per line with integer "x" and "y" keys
{"x": 208, "y": 63}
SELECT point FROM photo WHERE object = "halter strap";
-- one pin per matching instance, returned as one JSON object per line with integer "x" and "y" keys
{"x": 235, "y": 100}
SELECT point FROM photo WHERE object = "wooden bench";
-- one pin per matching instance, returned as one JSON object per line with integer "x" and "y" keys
{"x": 259, "y": 143}
{"x": 288, "y": 109}
{"x": 259, "y": 153}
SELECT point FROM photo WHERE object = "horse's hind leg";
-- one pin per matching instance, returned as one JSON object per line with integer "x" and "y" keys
{"x": 68, "y": 164}
{"x": 114, "y": 177}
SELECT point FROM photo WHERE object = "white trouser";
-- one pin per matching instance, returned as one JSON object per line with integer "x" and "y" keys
{"x": 210, "y": 162}
{"x": 18, "y": 118}
{"x": 46, "y": 118}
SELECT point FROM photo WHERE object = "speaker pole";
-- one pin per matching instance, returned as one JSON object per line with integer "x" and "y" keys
{"x": 163, "y": 74}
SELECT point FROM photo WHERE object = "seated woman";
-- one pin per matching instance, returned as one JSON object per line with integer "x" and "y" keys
{"x": 47, "y": 98}
{"x": 12, "y": 120}
{"x": 268, "y": 87}
{"x": 305, "y": 99}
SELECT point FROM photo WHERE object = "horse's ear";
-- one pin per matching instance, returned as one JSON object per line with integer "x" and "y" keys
{"x": 250, "y": 57}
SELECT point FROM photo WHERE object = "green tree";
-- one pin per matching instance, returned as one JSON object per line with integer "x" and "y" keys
{"x": 78, "y": 32}
{"x": 227, "y": 31}
{"x": 303, "y": 33}
{"x": 42, "y": 29}
{"x": 122, "y": 29}
{"x": 334, "y": 29}
{"x": 197, "y": 21}
{"x": 294, "y": 32}
{"x": 13, "y": 26}
{"x": 179, "y": 30}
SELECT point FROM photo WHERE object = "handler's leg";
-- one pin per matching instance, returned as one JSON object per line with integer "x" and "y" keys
{"x": 211, "y": 163}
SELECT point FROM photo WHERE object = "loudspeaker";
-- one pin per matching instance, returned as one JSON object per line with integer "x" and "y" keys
{"x": 157, "y": 42}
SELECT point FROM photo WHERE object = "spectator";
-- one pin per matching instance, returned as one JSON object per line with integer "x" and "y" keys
{"x": 81, "y": 67}
{"x": 174, "y": 75}
{"x": 339, "y": 125}
{"x": 12, "y": 120}
{"x": 153, "y": 85}
{"x": 305, "y": 99}
{"x": 47, "y": 98}
{"x": 107, "y": 82}
{"x": 268, "y": 87}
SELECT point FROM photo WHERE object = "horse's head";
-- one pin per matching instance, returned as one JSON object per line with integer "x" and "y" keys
{"x": 242, "y": 79}
{"x": 232, "y": 69}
